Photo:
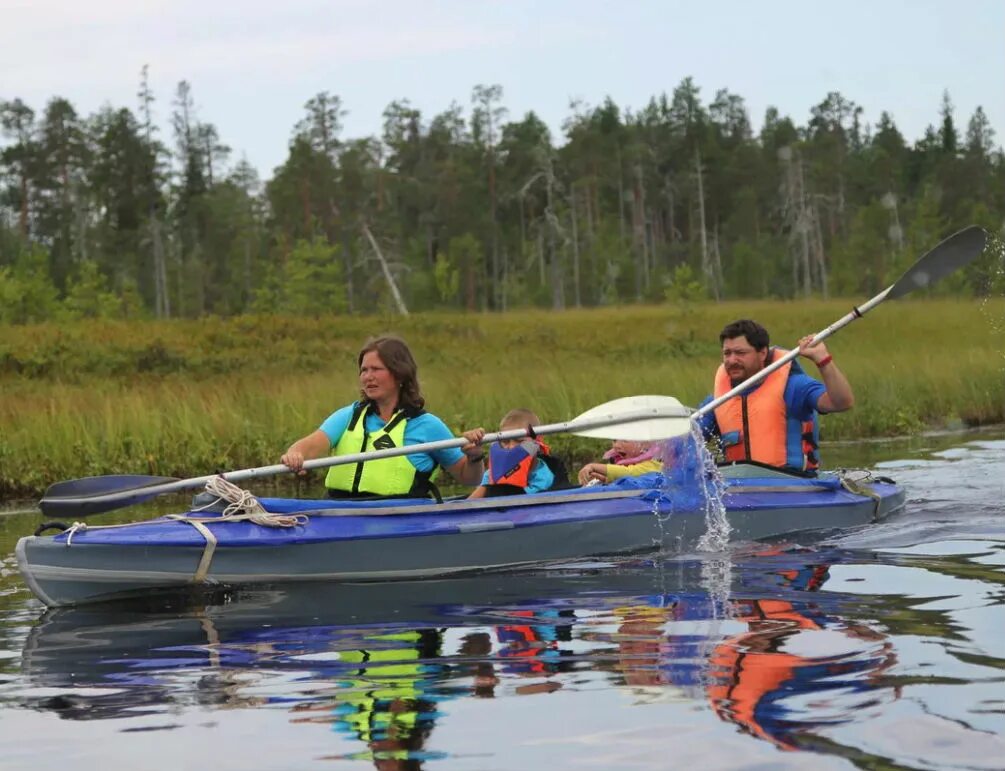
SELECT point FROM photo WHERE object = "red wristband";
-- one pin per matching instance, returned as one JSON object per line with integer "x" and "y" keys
{"x": 825, "y": 361}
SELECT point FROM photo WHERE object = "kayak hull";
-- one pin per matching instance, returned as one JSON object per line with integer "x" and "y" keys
{"x": 374, "y": 541}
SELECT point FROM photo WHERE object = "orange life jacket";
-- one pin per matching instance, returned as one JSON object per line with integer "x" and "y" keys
{"x": 513, "y": 466}
{"x": 756, "y": 426}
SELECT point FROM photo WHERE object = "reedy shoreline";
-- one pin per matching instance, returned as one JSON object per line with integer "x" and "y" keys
{"x": 185, "y": 398}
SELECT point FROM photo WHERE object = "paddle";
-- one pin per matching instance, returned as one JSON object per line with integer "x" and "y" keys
{"x": 946, "y": 257}
{"x": 664, "y": 416}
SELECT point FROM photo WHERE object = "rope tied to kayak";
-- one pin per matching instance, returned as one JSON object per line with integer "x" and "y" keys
{"x": 857, "y": 481}
{"x": 241, "y": 504}
{"x": 73, "y": 529}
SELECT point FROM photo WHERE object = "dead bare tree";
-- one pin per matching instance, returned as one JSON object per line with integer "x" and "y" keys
{"x": 801, "y": 216}
{"x": 575, "y": 248}
{"x": 486, "y": 119}
{"x": 388, "y": 277}
{"x": 706, "y": 264}
{"x": 162, "y": 302}
{"x": 895, "y": 232}
{"x": 715, "y": 259}
{"x": 818, "y": 249}
{"x": 639, "y": 234}
{"x": 551, "y": 234}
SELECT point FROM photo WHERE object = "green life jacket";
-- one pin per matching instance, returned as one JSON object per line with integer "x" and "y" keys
{"x": 383, "y": 477}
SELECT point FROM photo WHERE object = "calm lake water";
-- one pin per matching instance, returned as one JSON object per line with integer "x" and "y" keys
{"x": 879, "y": 648}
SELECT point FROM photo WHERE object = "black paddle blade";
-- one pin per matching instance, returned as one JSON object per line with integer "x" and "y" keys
{"x": 69, "y": 498}
{"x": 946, "y": 257}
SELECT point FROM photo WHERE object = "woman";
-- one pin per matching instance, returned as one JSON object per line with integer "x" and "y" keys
{"x": 390, "y": 413}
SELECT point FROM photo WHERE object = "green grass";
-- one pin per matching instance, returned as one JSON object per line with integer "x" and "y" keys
{"x": 184, "y": 398}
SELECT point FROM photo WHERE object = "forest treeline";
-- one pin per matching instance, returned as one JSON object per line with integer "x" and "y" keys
{"x": 102, "y": 216}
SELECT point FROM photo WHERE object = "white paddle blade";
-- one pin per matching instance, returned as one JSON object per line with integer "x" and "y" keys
{"x": 636, "y": 418}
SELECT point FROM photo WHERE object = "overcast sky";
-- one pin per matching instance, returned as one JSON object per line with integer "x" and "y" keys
{"x": 253, "y": 64}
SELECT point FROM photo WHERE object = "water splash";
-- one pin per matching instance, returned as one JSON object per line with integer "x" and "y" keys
{"x": 996, "y": 285}
{"x": 662, "y": 513}
{"x": 691, "y": 481}
{"x": 716, "y": 567}
{"x": 716, "y": 580}
{"x": 717, "y": 527}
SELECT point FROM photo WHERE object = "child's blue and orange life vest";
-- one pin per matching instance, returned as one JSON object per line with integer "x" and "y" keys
{"x": 512, "y": 466}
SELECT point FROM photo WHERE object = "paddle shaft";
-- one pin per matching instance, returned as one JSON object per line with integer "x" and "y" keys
{"x": 131, "y": 494}
{"x": 856, "y": 313}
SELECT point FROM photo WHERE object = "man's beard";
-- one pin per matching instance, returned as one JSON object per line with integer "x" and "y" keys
{"x": 735, "y": 380}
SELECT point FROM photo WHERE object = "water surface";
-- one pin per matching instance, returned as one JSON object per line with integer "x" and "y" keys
{"x": 878, "y": 648}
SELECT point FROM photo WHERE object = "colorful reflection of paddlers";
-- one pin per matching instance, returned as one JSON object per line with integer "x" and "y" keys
{"x": 643, "y": 644}
{"x": 754, "y": 679}
{"x": 387, "y": 701}
{"x": 755, "y": 674}
{"x": 532, "y": 648}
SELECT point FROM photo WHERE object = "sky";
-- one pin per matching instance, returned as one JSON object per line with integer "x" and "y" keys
{"x": 252, "y": 65}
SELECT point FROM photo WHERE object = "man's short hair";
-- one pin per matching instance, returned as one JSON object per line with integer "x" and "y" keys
{"x": 756, "y": 335}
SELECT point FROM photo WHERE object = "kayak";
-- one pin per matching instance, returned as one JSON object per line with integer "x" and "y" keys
{"x": 378, "y": 540}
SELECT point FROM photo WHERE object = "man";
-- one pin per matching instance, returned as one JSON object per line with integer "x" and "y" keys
{"x": 775, "y": 421}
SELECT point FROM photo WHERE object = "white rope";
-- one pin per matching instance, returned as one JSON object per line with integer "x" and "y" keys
{"x": 73, "y": 529}
{"x": 242, "y": 502}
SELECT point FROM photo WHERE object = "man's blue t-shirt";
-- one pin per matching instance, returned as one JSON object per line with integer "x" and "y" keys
{"x": 539, "y": 480}
{"x": 418, "y": 430}
{"x": 801, "y": 396}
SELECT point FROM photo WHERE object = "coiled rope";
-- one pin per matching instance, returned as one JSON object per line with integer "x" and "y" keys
{"x": 243, "y": 505}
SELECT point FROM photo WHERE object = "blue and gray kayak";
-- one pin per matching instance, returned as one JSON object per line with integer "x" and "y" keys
{"x": 309, "y": 540}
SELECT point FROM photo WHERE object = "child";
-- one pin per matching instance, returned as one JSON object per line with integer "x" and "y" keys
{"x": 517, "y": 466}
{"x": 625, "y": 459}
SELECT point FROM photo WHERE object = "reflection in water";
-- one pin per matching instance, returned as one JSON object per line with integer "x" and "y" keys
{"x": 326, "y": 654}
{"x": 385, "y": 698}
{"x": 759, "y": 673}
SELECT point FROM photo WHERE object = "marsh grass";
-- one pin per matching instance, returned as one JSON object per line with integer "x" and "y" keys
{"x": 184, "y": 398}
